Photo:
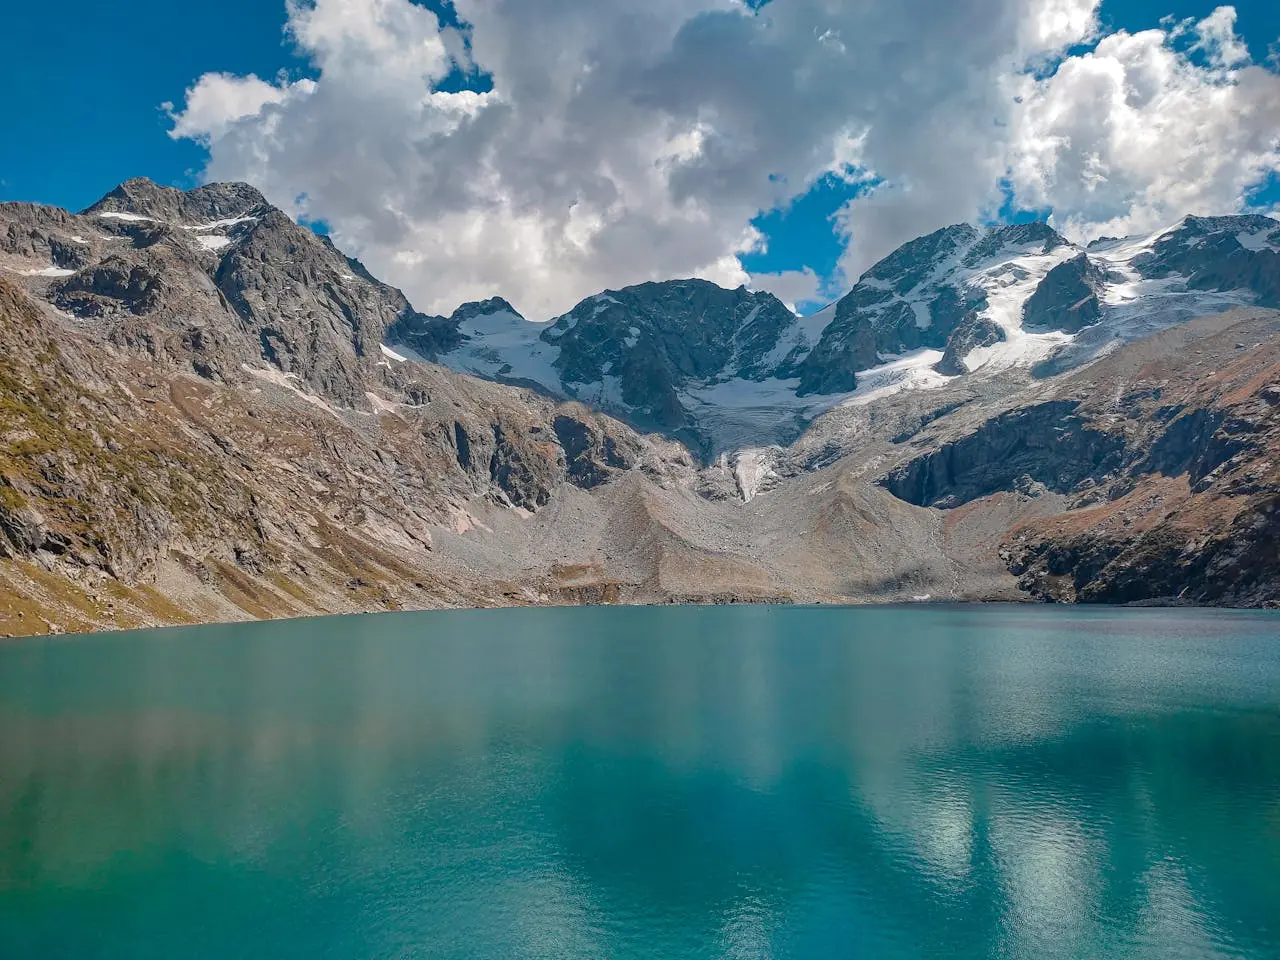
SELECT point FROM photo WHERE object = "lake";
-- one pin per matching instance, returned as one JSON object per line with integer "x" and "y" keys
{"x": 683, "y": 782}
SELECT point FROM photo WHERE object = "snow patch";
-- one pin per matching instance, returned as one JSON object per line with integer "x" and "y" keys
{"x": 804, "y": 334}
{"x": 401, "y": 354}
{"x": 753, "y": 470}
{"x": 47, "y": 272}
{"x": 505, "y": 346}
{"x": 381, "y": 404}
{"x": 213, "y": 243}
{"x": 1008, "y": 287}
{"x": 910, "y": 371}
{"x": 286, "y": 381}
{"x": 1260, "y": 240}
{"x": 76, "y": 238}
{"x": 127, "y": 217}
{"x": 219, "y": 224}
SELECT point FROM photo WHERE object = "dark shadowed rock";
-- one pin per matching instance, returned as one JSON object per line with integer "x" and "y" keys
{"x": 1067, "y": 298}
{"x": 970, "y": 334}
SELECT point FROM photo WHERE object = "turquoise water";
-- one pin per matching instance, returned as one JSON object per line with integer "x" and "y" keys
{"x": 648, "y": 783}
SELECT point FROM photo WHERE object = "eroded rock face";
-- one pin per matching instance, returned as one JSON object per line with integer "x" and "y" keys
{"x": 46, "y": 234}
{"x": 129, "y": 286}
{"x": 1048, "y": 443}
{"x": 593, "y": 456}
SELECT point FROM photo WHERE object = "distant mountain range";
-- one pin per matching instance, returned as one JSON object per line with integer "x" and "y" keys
{"x": 209, "y": 412}
{"x": 721, "y": 369}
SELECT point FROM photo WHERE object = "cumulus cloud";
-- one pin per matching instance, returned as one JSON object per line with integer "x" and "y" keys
{"x": 790, "y": 286}
{"x": 1137, "y": 132}
{"x": 628, "y": 141}
{"x": 217, "y": 101}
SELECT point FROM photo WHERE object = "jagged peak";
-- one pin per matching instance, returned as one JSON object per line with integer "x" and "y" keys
{"x": 143, "y": 197}
{"x": 482, "y": 308}
{"x": 1017, "y": 235}
{"x": 1243, "y": 221}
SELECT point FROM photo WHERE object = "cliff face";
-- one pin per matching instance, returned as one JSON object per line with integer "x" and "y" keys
{"x": 1166, "y": 455}
{"x": 1193, "y": 513}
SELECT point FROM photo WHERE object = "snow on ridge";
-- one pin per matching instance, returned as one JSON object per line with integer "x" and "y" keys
{"x": 1007, "y": 290}
{"x": 909, "y": 371}
{"x": 505, "y": 346}
{"x": 804, "y": 333}
{"x": 128, "y": 217}
{"x": 218, "y": 224}
{"x": 401, "y": 354}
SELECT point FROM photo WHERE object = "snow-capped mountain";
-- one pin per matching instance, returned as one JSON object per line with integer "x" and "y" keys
{"x": 728, "y": 369}
{"x": 685, "y": 357}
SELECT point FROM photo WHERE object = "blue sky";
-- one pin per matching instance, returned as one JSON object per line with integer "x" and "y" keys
{"x": 85, "y": 89}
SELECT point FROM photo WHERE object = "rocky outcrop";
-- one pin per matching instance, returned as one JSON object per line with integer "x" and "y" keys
{"x": 1192, "y": 515}
{"x": 46, "y": 234}
{"x": 971, "y": 333}
{"x": 919, "y": 296}
{"x": 1236, "y": 565}
{"x": 592, "y": 456}
{"x": 1067, "y": 298}
{"x": 1220, "y": 253}
{"x": 1048, "y": 443}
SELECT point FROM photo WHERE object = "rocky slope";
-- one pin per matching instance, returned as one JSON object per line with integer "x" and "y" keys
{"x": 208, "y": 412}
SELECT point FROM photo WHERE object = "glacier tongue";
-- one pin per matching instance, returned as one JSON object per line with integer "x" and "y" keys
{"x": 1008, "y": 286}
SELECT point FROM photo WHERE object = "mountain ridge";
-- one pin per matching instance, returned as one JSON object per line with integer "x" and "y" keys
{"x": 208, "y": 411}
{"x": 960, "y": 301}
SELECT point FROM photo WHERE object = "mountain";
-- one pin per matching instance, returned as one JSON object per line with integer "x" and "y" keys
{"x": 721, "y": 370}
{"x": 684, "y": 357}
{"x": 209, "y": 412}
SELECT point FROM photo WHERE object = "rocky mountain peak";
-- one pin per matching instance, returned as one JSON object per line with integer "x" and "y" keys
{"x": 1219, "y": 254}
{"x": 1037, "y": 237}
{"x": 483, "y": 308}
{"x": 907, "y": 266}
{"x": 212, "y": 202}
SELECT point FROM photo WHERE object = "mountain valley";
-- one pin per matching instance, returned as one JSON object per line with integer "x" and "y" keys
{"x": 209, "y": 412}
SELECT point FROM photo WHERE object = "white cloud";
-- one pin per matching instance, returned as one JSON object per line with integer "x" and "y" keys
{"x": 1134, "y": 134}
{"x": 217, "y": 101}
{"x": 629, "y": 141}
{"x": 792, "y": 287}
